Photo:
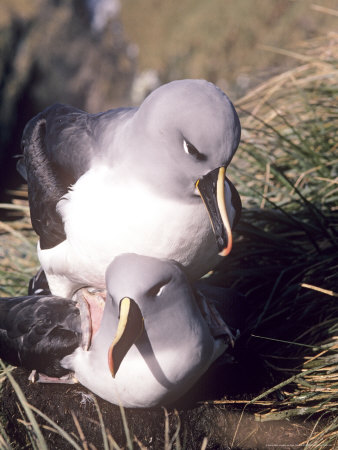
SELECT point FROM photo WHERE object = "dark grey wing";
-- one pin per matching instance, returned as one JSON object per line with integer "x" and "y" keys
{"x": 36, "y": 332}
{"x": 57, "y": 146}
{"x": 38, "y": 284}
{"x": 228, "y": 302}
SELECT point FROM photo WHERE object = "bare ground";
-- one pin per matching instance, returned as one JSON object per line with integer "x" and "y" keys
{"x": 225, "y": 426}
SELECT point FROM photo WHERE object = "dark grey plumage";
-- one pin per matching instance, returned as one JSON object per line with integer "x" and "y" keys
{"x": 51, "y": 167}
{"x": 36, "y": 332}
{"x": 58, "y": 145}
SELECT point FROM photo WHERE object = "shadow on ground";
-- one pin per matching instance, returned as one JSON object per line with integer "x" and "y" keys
{"x": 217, "y": 422}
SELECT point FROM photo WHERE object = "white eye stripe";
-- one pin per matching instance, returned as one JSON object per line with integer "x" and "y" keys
{"x": 185, "y": 146}
{"x": 157, "y": 290}
{"x": 160, "y": 291}
{"x": 191, "y": 150}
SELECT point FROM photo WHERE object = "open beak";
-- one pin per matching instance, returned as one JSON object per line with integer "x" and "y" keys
{"x": 129, "y": 329}
{"x": 211, "y": 189}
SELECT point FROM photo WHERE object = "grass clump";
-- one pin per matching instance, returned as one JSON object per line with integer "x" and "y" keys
{"x": 285, "y": 260}
{"x": 18, "y": 257}
{"x": 220, "y": 41}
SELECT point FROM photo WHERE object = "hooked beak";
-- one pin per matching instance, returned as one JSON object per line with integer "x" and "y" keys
{"x": 212, "y": 191}
{"x": 129, "y": 329}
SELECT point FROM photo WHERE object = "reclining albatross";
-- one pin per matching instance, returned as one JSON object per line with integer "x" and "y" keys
{"x": 155, "y": 338}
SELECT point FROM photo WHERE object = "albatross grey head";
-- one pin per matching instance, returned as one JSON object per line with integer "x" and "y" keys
{"x": 182, "y": 138}
{"x": 186, "y": 128}
{"x": 152, "y": 317}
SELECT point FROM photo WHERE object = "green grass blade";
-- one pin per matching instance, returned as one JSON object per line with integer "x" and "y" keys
{"x": 40, "y": 440}
{"x": 102, "y": 426}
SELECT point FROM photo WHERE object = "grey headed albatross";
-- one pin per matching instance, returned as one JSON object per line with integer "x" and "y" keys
{"x": 145, "y": 345}
{"x": 146, "y": 180}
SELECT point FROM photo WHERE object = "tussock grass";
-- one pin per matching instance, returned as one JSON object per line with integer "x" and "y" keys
{"x": 285, "y": 256}
{"x": 221, "y": 41}
{"x": 18, "y": 259}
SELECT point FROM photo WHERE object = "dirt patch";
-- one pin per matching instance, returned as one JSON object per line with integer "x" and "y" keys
{"x": 218, "y": 423}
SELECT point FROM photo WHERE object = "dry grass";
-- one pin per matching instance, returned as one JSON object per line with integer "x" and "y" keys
{"x": 286, "y": 257}
{"x": 18, "y": 259}
{"x": 221, "y": 41}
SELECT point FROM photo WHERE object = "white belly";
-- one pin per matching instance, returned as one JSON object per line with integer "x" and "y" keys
{"x": 134, "y": 385}
{"x": 137, "y": 383}
{"x": 105, "y": 217}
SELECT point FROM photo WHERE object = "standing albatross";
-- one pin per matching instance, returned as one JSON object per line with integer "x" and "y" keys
{"x": 155, "y": 338}
{"x": 131, "y": 180}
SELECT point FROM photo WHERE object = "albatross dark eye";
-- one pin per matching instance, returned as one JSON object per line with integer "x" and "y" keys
{"x": 192, "y": 150}
{"x": 157, "y": 290}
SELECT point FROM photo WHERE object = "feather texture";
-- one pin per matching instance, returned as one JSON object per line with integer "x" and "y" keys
{"x": 36, "y": 332}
